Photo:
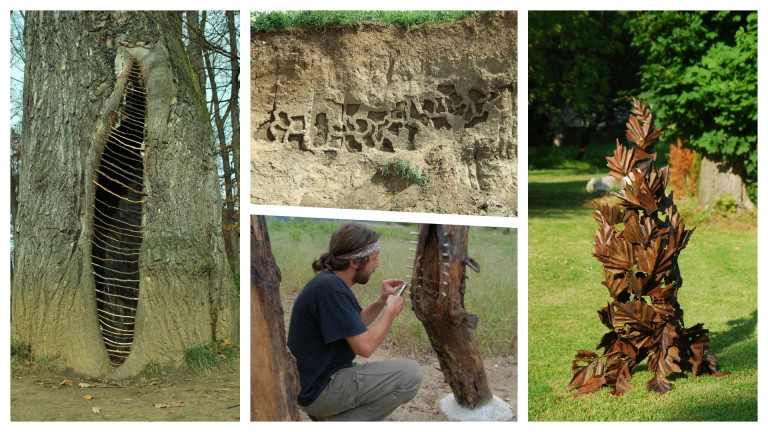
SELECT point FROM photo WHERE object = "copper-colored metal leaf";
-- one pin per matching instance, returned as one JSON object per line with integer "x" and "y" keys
{"x": 592, "y": 385}
{"x": 582, "y": 373}
{"x": 608, "y": 214}
{"x": 616, "y": 282}
{"x": 636, "y": 195}
{"x": 636, "y": 313}
{"x": 615, "y": 253}
{"x": 712, "y": 367}
{"x": 621, "y": 386}
{"x": 659, "y": 384}
{"x": 622, "y": 161}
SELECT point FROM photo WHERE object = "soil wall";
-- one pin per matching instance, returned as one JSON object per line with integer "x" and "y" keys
{"x": 331, "y": 107}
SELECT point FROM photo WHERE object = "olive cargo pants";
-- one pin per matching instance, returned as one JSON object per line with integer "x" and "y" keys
{"x": 367, "y": 392}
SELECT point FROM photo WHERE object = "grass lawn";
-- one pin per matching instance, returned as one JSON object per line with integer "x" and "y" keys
{"x": 490, "y": 294}
{"x": 719, "y": 270}
{"x": 276, "y": 20}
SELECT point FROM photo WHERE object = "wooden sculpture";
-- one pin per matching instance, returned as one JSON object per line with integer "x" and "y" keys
{"x": 437, "y": 294}
{"x": 274, "y": 378}
{"x": 638, "y": 242}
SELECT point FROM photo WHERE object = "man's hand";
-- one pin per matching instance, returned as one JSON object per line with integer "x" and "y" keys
{"x": 366, "y": 343}
{"x": 389, "y": 287}
{"x": 395, "y": 304}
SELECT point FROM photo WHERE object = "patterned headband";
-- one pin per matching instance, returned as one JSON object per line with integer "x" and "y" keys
{"x": 362, "y": 252}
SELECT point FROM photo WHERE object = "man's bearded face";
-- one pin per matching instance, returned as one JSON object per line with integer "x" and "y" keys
{"x": 364, "y": 272}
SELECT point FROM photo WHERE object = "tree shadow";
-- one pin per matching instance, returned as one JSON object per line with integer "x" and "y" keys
{"x": 740, "y": 329}
{"x": 551, "y": 199}
{"x": 723, "y": 409}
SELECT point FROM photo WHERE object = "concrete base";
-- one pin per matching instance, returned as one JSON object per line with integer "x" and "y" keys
{"x": 495, "y": 410}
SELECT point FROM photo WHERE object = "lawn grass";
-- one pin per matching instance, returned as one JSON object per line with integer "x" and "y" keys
{"x": 277, "y": 20}
{"x": 719, "y": 270}
{"x": 491, "y": 294}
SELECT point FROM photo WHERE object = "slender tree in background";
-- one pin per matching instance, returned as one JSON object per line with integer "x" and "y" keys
{"x": 701, "y": 72}
{"x": 118, "y": 242}
{"x": 213, "y": 50}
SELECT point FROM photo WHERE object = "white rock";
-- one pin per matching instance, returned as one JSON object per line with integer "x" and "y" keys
{"x": 495, "y": 410}
{"x": 596, "y": 186}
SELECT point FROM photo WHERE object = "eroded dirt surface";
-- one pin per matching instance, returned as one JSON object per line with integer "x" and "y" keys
{"x": 502, "y": 377}
{"x": 330, "y": 109}
{"x": 57, "y": 396}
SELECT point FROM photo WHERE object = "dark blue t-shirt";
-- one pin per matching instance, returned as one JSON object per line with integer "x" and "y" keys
{"x": 324, "y": 315}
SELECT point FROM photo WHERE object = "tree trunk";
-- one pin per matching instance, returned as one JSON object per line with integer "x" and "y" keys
{"x": 274, "y": 378}
{"x": 229, "y": 215}
{"x": 194, "y": 46}
{"x": 84, "y": 135}
{"x": 718, "y": 179}
{"x": 437, "y": 295}
{"x": 234, "y": 101}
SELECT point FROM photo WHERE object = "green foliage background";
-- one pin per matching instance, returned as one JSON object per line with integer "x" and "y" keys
{"x": 696, "y": 70}
{"x": 700, "y": 74}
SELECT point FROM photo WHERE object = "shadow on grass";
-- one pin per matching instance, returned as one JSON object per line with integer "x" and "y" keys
{"x": 742, "y": 355}
{"x": 553, "y": 197}
{"x": 723, "y": 409}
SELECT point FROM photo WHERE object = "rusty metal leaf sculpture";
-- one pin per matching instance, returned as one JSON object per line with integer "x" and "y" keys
{"x": 638, "y": 242}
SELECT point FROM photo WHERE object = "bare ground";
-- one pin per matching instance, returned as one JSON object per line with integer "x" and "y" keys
{"x": 502, "y": 377}
{"x": 57, "y": 396}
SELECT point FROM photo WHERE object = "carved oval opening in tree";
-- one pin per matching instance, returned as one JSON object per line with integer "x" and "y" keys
{"x": 118, "y": 218}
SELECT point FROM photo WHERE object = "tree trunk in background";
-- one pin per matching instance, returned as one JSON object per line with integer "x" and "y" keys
{"x": 194, "y": 46}
{"x": 437, "y": 295}
{"x": 229, "y": 214}
{"x": 234, "y": 101}
{"x": 718, "y": 179}
{"x": 78, "y": 70}
{"x": 274, "y": 378}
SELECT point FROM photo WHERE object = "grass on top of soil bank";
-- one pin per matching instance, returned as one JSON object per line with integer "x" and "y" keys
{"x": 719, "y": 270}
{"x": 277, "y": 20}
{"x": 490, "y": 294}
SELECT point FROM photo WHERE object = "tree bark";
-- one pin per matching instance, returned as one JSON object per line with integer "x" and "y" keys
{"x": 76, "y": 75}
{"x": 437, "y": 295}
{"x": 718, "y": 179}
{"x": 274, "y": 377}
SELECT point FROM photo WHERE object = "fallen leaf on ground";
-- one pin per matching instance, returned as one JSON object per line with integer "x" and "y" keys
{"x": 89, "y": 397}
{"x": 170, "y": 405}
{"x": 84, "y": 385}
{"x": 96, "y": 410}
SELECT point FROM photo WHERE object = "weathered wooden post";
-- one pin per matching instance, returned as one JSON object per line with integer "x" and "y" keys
{"x": 437, "y": 294}
{"x": 274, "y": 378}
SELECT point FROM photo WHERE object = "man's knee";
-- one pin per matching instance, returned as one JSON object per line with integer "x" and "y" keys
{"x": 412, "y": 376}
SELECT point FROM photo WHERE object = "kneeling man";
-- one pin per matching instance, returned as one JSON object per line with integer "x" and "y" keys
{"x": 328, "y": 329}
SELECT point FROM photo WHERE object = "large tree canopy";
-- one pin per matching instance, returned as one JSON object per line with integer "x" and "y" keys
{"x": 700, "y": 74}
{"x": 577, "y": 61}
